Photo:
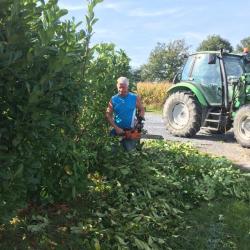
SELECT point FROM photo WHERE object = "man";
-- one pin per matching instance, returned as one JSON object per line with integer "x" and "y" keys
{"x": 122, "y": 110}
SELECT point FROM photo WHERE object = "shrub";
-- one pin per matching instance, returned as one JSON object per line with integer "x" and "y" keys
{"x": 43, "y": 76}
{"x": 54, "y": 90}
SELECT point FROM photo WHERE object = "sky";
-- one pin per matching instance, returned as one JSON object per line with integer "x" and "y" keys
{"x": 137, "y": 25}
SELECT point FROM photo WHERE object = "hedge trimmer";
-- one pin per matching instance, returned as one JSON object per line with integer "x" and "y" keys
{"x": 135, "y": 133}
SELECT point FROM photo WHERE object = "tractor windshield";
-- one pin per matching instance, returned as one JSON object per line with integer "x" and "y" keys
{"x": 234, "y": 66}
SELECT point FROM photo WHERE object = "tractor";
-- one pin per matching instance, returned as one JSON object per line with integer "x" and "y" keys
{"x": 211, "y": 91}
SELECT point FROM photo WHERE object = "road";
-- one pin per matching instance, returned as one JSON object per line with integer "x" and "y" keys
{"x": 217, "y": 145}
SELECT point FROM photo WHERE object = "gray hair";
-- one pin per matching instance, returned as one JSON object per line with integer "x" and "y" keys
{"x": 123, "y": 80}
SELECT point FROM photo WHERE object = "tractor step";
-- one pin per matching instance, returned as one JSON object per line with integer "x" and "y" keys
{"x": 213, "y": 113}
{"x": 210, "y": 120}
{"x": 210, "y": 128}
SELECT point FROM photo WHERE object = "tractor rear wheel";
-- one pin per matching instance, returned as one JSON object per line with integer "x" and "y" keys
{"x": 182, "y": 114}
{"x": 242, "y": 126}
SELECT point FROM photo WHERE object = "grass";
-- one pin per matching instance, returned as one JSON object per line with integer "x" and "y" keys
{"x": 223, "y": 224}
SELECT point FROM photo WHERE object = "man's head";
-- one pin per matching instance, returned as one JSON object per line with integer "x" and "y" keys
{"x": 122, "y": 85}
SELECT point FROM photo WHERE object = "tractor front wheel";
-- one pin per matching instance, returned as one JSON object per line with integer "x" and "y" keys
{"x": 242, "y": 126}
{"x": 182, "y": 114}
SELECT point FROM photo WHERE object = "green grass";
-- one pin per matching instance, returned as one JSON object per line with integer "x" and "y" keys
{"x": 223, "y": 224}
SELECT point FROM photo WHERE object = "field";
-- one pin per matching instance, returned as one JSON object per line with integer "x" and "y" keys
{"x": 153, "y": 94}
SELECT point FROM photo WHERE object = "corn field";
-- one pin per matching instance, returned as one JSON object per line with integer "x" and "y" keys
{"x": 153, "y": 94}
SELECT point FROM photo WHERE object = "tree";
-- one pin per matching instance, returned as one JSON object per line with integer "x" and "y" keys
{"x": 215, "y": 42}
{"x": 244, "y": 43}
{"x": 135, "y": 75}
{"x": 164, "y": 61}
{"x": 106, "y": 66}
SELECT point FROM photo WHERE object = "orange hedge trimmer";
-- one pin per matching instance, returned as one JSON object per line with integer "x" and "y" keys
{"x": 135, "y": 133}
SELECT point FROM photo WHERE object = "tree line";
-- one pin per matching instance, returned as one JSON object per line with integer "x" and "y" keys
{"x": 166, "y": 58}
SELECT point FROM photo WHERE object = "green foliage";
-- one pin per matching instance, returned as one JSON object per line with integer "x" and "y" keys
{"x": 215, "y": 42}
{"x": 150, "y": 199}
{"x": 244, "y": 43}
{"x": 135, "y": 75}
{"x": 54, "y": 91}
{"x": 41, "y": 99}
{"x": 164, "y": 61}
{"x": 106, "y": 66}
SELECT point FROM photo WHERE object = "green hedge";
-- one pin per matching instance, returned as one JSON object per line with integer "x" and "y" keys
{"x": 54, "y": 89}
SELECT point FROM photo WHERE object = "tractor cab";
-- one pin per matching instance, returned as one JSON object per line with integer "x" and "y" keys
{"x": 208, "y": 93}
{"x": 213, "y": 72}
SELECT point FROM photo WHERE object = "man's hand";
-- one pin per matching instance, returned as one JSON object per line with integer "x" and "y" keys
{"x": 139, "y": 106}
{"x": 119, "y": 131}
{"x": 140, "y": 118}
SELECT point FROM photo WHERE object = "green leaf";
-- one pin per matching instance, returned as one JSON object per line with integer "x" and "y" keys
{"x": 17, "y": 140}
{"x": 141, "y": 244}
{"x": 74, "y": 191}
{"x": 97, "y": 244}
{"x": 19, "y": 171}
{"x": 121, "y": 241}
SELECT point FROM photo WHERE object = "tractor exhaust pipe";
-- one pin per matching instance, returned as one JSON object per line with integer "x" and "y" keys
{"x": 225, "y": 101}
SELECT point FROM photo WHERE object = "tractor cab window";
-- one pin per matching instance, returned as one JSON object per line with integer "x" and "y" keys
{"x": 207, "y": 78}
{"x": 187, "y": 68}
{"x": 205, "y": 73}
{"x": 234, "y": 66}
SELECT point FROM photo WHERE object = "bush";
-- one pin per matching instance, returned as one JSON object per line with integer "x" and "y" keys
{"x": 54, "y": 90}
{"x": 41, "y": 102}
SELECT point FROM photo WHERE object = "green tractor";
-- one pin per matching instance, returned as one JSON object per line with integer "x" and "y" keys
{"x": 212, "y": 91}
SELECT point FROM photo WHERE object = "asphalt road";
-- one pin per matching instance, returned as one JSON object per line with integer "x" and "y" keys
{"x": 217, "y": 145}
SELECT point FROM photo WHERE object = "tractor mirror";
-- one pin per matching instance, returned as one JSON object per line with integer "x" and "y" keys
{"x": 177, "y": 77}
{"x": 212, "y": 59}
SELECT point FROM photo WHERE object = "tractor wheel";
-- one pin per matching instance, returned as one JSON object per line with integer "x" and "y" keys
{"x": 182, "y": 114}
{"x": 242, "y": 126}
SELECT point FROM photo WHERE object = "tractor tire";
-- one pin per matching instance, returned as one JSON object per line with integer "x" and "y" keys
{"x": 182, "y": 114}
{"x": 242, "y": 126}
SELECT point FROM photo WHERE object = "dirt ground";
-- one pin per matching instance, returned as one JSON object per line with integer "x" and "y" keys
{"x": 217, "y": 145}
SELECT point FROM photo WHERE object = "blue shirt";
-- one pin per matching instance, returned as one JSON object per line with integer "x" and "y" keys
{"x": 124, "y": 108}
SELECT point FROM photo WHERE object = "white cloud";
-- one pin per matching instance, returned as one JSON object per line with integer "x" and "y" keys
{"x": 142, "y": 13}
{"x": 113, "y": 6}
{"x": 72, "y": 7}
{"x": 194, "y": 35}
